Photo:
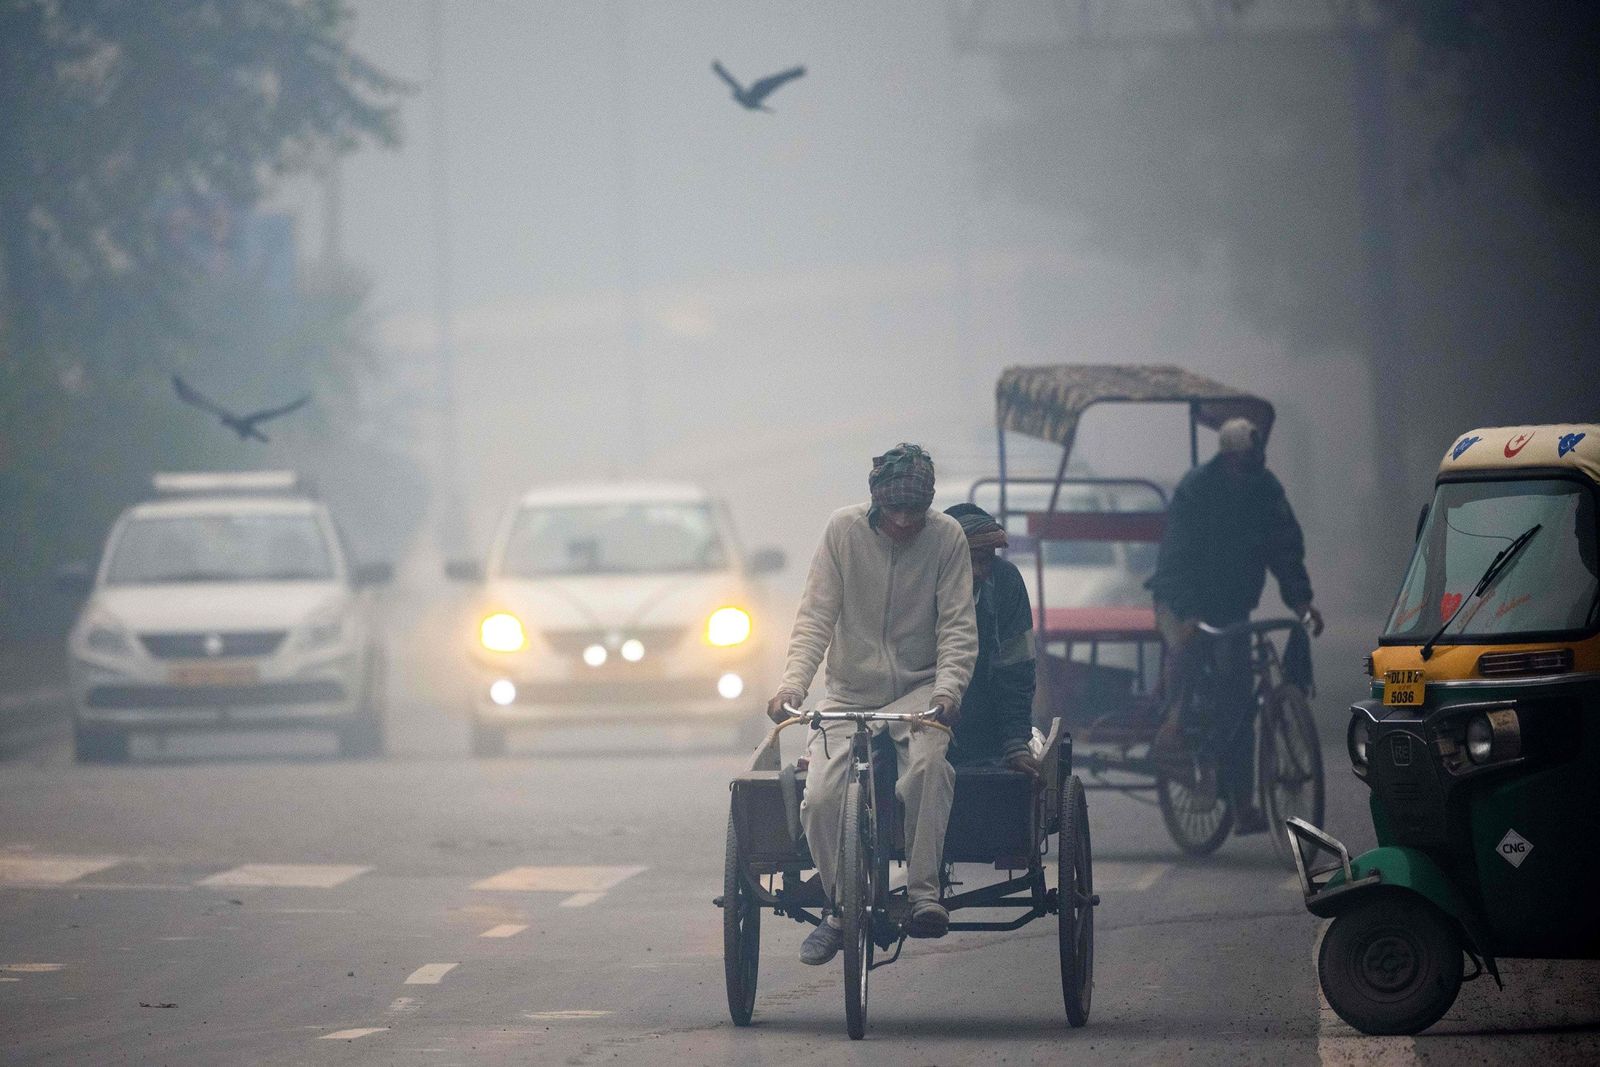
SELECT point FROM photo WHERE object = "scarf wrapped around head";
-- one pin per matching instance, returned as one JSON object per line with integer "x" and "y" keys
{"x": 979, "y": 526}
{"x": 901, "y": 478}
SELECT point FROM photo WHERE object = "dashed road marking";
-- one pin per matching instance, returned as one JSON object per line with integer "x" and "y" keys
{"x": 504, "y": 930}
{"x": 1341, "y": 1045}
{"x": 351, "y": 1035}
{"x": 558, "y": 879}
{"x": 32, "y": 968}
{"x": 581, "y": 900}
{"x": 51, "y": 870}
{"x": 430, "y": 973}
{"x": 286, "y": 875}
{"x": 1114, "y": 876}
{"x": 549, "y": 1016}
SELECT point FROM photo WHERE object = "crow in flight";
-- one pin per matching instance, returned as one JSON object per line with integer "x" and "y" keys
{"x": 243, "y": 425}
{"x": 753, "y": 96}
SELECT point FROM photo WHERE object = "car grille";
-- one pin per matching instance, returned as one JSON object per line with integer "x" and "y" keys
{"x": 657, "y": 640}
{"x": 193, "y": 645}
{"x": 214, "y": 696}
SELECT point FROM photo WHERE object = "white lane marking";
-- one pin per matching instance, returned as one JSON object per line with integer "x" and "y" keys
{"x": 581, "y": 900}
{"x": 51, "y": 870}
{"x": 1115, "y": 877}
{"x": 558, "y": 879}
{"x": 570, "y": 1014}
{"x": 503, "y": 930}
{"x": 404, "y": 1005}
{"x": 1341, "y": 1045}
{"x": 32, "y": 968}
{"x": 286, "y": 875}
{"x": 430, "y": 973}
{"x": 351, "y": 1035}
{"x": 81, "y": 887}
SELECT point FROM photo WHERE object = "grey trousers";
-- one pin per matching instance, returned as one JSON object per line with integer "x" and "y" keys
{"x": 926, "y": 784}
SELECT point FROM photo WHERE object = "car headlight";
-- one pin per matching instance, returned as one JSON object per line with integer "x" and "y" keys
{"x": 502, "y": 632}
{"x": 728, "y": 626}
{"x": 108, "y": 640}
{"x": 1357, "y": 740}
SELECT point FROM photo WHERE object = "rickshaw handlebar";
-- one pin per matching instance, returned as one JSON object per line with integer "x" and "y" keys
{"x": 817, "y": 718}
{"x": 1253, "y": 626}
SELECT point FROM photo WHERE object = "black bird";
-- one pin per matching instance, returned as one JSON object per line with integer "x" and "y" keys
{"x": 753, "y": 96}
{"x": 243, "y": 425}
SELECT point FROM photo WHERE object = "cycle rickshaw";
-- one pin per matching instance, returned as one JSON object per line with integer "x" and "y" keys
{"x": 998, "y": 817}
{"x": 1100, "y": 664}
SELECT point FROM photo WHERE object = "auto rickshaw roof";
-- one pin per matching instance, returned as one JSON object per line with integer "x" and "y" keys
{"x": 1047, "y": 402}
{"x": 1571, "y": 445}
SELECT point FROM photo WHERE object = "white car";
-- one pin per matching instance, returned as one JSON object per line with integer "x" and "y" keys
{"x": 621, "y": 602}
{"x": 227, "y": 602}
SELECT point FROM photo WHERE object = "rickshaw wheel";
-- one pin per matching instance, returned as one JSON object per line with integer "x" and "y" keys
{"x": 1199, "y": 828}
{"x": 855, "y": 901}
{"x": 1390, "y": 965}
{"x": 741, "y": 933}
{"x": 1290, "y": 766}
{"x": 1075, "y": 902}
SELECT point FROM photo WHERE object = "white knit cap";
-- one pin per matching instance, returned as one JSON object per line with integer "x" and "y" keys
{"x": 1238, "y": 435}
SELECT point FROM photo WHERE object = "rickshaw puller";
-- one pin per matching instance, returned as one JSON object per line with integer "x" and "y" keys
{"x": 1229, "y": 524}
{"x": 888, "y": 600}
{"x": 997, "y": 710}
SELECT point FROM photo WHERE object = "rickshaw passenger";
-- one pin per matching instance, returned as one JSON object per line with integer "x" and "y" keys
{"x": 1228, "y": 525}
{"x": 889, "y": 601}
{"x": 997, "y": 711}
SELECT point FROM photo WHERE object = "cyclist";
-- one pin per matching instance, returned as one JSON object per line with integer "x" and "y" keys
{"x": 889, "y": 601}
{"x": 1228, "y": 525}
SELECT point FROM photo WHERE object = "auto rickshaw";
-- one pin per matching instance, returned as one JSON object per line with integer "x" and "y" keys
{"x": 1480, "y": 742}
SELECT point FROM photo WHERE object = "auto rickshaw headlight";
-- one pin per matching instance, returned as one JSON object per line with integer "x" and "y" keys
{"x": 1494, "y": 736}
{"x": 1357, "y": 739}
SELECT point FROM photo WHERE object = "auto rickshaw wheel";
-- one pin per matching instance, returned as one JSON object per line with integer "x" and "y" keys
{"x": 741, "y": 933}
{"x": 1391, "y": 964}
{"x": 1290, "y": 766}
{"x": 1075, "y": 902}
{"x": 856, "y": 903}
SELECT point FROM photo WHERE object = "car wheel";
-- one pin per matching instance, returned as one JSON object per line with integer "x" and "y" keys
{"x": 92, "y": 744}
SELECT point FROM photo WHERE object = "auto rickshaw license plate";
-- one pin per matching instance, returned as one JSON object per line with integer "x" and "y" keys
{"x": 204, "y": 674}
{"x": 1403, "y": 689}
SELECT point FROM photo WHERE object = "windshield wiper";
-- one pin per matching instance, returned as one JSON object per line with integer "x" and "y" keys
{"x": 1497, "y": 566}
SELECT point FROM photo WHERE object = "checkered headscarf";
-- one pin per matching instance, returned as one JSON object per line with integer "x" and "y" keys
{"x": 979, "y": 526}
{"x": 901, "y": 478}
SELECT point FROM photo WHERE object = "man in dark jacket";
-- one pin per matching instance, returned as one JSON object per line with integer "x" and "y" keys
{"x": 1228, "y": 525}
{"x": 996, "y": 722}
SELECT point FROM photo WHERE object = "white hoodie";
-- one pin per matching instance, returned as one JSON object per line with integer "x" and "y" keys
{"x": 891, "y": 618}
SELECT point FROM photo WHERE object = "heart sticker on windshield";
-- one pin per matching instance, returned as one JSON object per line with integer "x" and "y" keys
{"x": 1448, "y": 604}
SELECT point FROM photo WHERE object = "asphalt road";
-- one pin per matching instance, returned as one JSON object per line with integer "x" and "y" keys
{"x": 257, "y": 900}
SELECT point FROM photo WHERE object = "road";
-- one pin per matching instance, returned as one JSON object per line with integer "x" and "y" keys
{"x": 256, "y": 900}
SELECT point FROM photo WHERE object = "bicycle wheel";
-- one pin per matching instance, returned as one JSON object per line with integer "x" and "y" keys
{"x": 1290, "y": 765}
{"x": 856, "y": 855}
{"x": 741, "y": 934}
{"x": 1197, "y": 815}
{"x": 1075, "y": 902}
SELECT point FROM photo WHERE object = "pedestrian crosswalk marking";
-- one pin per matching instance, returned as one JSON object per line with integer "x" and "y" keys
{"x": 351, "y": 1035}
{"x": 430, "y": 973}
{"x": 286, "y": 875}
{"x": 558, "y": 879}
{"x": 51, "y": 870}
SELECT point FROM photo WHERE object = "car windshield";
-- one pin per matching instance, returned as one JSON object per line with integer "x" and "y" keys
{"x": 612, "y": 539}
{"x": 222, "y": 548}
{"x": 1550, "y": 586}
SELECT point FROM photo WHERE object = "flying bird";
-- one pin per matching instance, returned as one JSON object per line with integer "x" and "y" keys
{"x": 243, "y": 425}
{"x": 751, "y": 97}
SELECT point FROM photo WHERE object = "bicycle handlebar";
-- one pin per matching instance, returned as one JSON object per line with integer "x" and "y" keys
{"x": 1252, "y": 626}
{"x": 816, "y": 718}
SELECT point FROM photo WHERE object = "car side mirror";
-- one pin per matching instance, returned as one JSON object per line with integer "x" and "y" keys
{"x": 74, "y": 579}
{"x": 370, "y": 574}
{"x": 767, "y": 561}
{"x": 463, "y": 570}
{"x": 1422, "y": 520}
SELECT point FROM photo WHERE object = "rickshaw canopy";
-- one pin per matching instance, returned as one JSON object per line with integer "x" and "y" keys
{"x": 1047, "y": 402}
{"x": 1572, "y": 446}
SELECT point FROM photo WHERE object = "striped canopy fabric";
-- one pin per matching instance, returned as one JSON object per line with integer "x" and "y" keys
{"x": 1046, "y": 402}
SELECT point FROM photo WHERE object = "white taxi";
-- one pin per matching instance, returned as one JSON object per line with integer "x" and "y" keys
{"x": 620, "y": 602}
{"x": 227, "y": 602}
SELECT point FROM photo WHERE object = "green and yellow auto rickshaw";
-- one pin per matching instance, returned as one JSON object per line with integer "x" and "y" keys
{"x": 1480, "y": 742}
